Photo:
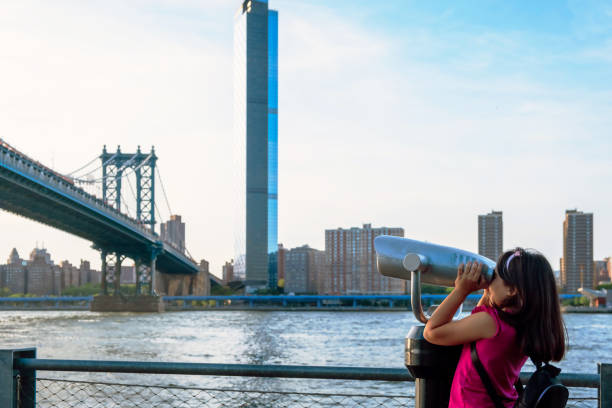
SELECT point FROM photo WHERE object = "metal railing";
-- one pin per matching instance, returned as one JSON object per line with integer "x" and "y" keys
{"x": 58, "y": 302}
{"x": 298, "y": 301}
{"x": 20, "y": 387}
{"x": 343, "y": 302}
{"x": 241, "y": 302}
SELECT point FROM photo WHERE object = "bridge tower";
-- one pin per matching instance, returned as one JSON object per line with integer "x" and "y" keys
{"x": 114, "y": 167}
{"x": 143, "y": 165}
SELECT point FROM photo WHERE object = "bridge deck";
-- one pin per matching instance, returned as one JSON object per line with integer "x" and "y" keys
{"x": 30, "y": 189}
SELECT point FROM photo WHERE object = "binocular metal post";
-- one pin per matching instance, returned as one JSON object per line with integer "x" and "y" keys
{"x": 432, "y": 366}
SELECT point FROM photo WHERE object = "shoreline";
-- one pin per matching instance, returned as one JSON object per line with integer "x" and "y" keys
{"x": 585, "y": 309}
{"x": 172, "y": 308}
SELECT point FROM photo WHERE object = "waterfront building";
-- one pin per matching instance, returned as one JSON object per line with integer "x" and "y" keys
{"x": 256, "y": 138}
{"x": 70, "y": 275}
{"x": 88, "y": 275}
{"x": 173, "y": 232}
{"x": 14, "y": 258}
{"x": 228, "y": 272}
{"x": 577, "y": 263}
{"x": 39, "y": 275}
{"x": 41, "y": 255}
{"x": 43, "y": 277}
{"x": 14, "y": 273}
{"x": 281, "y": 256}
{"x": 601, "y": 271}
{"x": 200, "y": 285}
{"x": 302, "y": 269}
{"x": 351, "y": 262}
{"x": 128, "y": 274}
{"x": 491, "y": 235}
{"x": 557, "y": 275}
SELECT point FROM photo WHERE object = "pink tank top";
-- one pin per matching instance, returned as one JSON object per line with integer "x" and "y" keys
{"x": 502, "y": 360}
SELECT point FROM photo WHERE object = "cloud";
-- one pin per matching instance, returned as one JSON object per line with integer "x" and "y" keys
{"x": 398, "y": 128}
{"x": 400, "y": 140}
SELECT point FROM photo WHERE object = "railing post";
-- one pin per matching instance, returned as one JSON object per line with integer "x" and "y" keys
{"x": 17, "y": 387}
{"x": 604, "y": 393}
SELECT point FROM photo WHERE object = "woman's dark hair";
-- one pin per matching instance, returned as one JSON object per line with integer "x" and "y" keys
{"x": 534, "y": 311}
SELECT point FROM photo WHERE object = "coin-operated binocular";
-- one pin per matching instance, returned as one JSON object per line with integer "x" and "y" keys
{"x": 432, "y": 366}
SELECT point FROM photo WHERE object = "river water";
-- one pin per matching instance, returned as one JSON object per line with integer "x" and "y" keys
{"x": 371, "y": 339}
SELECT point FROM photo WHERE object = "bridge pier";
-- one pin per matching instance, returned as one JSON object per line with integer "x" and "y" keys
{"x": 135, "y": 304}
{"x": 103, "y": 284}
{"x": 152, "y": 291}
{"x": 117, "y": 283}
{"x": 140, "y": 275}
{"x": 111, "y": 273}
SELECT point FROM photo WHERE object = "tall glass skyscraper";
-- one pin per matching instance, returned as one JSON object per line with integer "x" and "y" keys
{"x": 256, "y": 139}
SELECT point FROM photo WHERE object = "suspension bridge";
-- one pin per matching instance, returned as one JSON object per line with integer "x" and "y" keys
{"x": 96, "y": 209}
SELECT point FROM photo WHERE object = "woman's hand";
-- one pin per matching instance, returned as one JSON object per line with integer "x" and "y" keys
{"x": 469, "y": 278}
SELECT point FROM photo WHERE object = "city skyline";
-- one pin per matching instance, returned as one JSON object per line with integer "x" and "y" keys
{"x": 354, "y": 88}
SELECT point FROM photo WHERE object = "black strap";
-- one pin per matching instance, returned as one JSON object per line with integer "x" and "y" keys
{"x": 485, "y": 378}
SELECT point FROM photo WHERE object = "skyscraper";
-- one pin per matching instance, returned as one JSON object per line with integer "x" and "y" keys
{"x": 577, "y": 262}
{"x": 256, "y": 136}
{"x": 491, "y": 235}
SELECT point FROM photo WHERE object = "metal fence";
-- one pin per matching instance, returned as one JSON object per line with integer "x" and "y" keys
{"x": 21, "y": 386}
{"x": 54, "y": 393}
{"x": 60, "y": 393}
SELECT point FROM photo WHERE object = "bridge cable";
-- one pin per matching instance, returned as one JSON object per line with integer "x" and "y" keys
{"x": 124, "y": 173}
{"x": 127, "y": 207}
{"x": 81, "y": 168}
{"x": 133, "y": 194}
{"x": 163, "y": 189}
{"x": 97, "y": 168}
{"x": 159, "y": 215}
{"x": 80, "y": 179}
{"x": 119, "y": 169}
{"x": 189, "y": 253}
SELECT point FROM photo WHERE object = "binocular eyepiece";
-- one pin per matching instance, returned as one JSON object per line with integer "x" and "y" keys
{"x": 419, "y": 261}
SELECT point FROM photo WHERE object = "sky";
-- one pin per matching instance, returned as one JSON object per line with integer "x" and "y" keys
{"x": 410, "y": 114}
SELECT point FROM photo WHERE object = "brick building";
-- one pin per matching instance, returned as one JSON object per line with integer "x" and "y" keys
{"x": 351, "y": 262}
{"x": 303, "y": 267}
{"x": 577, "y": 267}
